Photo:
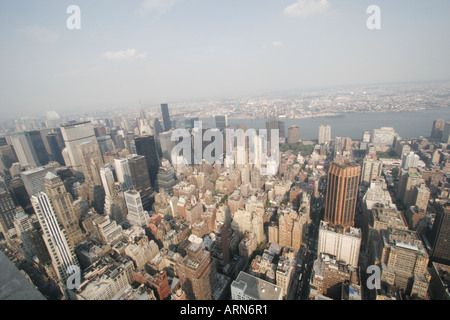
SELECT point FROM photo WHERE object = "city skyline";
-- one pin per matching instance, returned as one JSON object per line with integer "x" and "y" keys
{"x": 156, "y": 51}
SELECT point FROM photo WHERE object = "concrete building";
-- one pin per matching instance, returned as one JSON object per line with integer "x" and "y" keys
{"x": 324, "y": 134}
{"x": 371, "y": 170}
{"x": 197, "y": 273}
{"x": 55, "y": 237}
{"x": 91, "y": 160}
{"x": 293, "y": 134}
{"x": 33, "y": 179}
{"x": 137, "y": 216}
{"x": 62, "y": 205}
{"x": 342, "y": 243}
{"x": 73, "y": 135}
{"x": 248, "y": 287}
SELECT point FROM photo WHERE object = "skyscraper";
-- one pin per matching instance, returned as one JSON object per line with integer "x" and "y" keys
{"x": 55, "y": 237}
{"x": 146, "y": 146}
{"x": 23, "y": 147}
{"x": 92, "y": 161}
{"x": 7, "y": 210}
{"x": 196, "y": 273}
{"x": 324, "y": 134}
{"x": 56, "y": 155}
{"x": 293, "y": 134}
{"x": 137, "y": 216}
{"x": 73, "y": 135}
{"x": 441, "y": 234}
{"x": 39, "y": 147}
{"x": 221, "y": 121}
{"x": 371, "y": 170}
{"x": 342, "y": 192}
{"x": 438, "y": 129}
{"x": 166, "y": 116}
{"x": 62, "y": 206}
{"x": 123, "y": 173}
{"x": 140, "y": 179}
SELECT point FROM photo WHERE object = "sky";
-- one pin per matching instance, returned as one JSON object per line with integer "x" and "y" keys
{"x": 157, "y": 51}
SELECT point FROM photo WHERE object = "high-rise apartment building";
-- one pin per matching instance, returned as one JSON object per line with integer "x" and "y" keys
{"x": 410, "y": 160}
{"x": 324, "y": 134}
{"x": 293, "y": 134}
{"x": 55, "y": 237}
{"x": 371, "y": 169}
{"x": 342, "y": 192}
{"x": 196, "y": 273}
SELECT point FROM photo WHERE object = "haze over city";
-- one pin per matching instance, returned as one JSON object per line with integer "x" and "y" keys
{"x": 222, "y": 151}
{"x": 176, "y": 50}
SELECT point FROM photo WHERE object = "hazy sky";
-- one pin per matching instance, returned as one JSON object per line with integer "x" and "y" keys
{"x": 166, "y": 50}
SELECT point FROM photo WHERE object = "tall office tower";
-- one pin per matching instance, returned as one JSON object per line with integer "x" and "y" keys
{"x": 271, "y": 124}
{"x": 342, "y": 192}
{"x": 166, "y": 116}
{"x": 62, "y": 206}
{"x": 366, "y": 136}
{"x": 7, "y": 211}
{"x": 249, "y": 287}
{"x": 105, "y": 143}
{"x": 23, "y": 146}
{"x": 92, "y": 161}
{"x": 167, "y": 144}
{"x": 33, "y": 179}
{"x": 137, "y": 216}
{"x": 23, "y": 223}
{"x": 55, "y": 154}
{"x": 140, "y": 180}
{"x": 39, "y": 147}
{"x": 157, "y": 127}
{"x": 221, "y": 121}
{"x": 146, "y": 146}
{"x": 441, "y": 234}
{"x": 371, "y": 169}
{"x": 55, "y": 237}
{"x": 324, "y": 134}
{"x": 73, "y": 135}
{"x": 196, "y": 273}
{"x": 410, "y": 160}
{"x": 340, "y": 242}
{"x": 129, "y": 141}
{"x": 293, "y": 134}
{"x": 7, "y": 156}
{"x": 123, "y": 173}
{"x": 108, "y": 182}
{"x": 438, "y": 129}
{"x": 282, "y": 128}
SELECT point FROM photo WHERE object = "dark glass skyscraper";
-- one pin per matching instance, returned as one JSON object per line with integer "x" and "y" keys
{"x": 140, "y": 179}
{"x": 441, "y": 234}
{"x": 54, "y": 147}
{"x": 146, "y": 146}
{"x": 166, "y": 116}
